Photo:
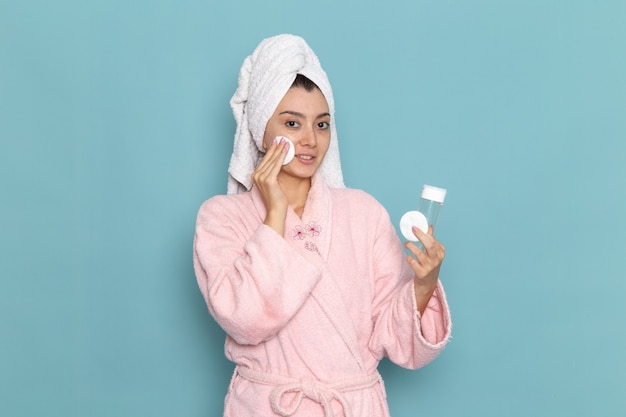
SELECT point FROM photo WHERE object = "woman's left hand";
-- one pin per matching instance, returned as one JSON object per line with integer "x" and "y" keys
{"x": 426, "y": 264}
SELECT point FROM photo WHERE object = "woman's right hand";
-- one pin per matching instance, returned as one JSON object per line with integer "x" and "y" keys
{"x": 265, "y": 177}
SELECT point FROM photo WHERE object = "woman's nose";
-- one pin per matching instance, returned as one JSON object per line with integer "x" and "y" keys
{"x": 308, "y": 138}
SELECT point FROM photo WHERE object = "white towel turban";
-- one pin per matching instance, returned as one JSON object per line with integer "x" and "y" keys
{"x": 264, "y": 79}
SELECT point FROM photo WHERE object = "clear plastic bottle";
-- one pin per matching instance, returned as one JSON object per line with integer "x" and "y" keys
{"x": 427, "y": 214}
{"x": 430, "y": 204}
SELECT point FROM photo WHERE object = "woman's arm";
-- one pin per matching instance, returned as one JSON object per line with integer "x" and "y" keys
{"x": 409, "y": 337}
{"x": 251, "y": 278}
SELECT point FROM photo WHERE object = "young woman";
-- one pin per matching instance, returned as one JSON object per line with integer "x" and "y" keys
{"x": 307, "y": 277}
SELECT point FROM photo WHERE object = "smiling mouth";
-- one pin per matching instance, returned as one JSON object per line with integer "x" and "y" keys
{"x": 306, "y": 157}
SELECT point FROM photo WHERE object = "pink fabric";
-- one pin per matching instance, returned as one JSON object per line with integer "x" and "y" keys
{"x": 327, "y": 302}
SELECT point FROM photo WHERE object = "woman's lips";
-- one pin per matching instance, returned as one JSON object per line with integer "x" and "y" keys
{"x": 306, "y": 159}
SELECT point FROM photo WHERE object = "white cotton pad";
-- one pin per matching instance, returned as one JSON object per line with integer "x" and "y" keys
{"x": 291, "y": 152}
{"x": 410, "y": 219}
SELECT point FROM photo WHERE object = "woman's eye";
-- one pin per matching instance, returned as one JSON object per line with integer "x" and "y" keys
{"x": 292, "y": 123}
{"x": 323, "y": 125}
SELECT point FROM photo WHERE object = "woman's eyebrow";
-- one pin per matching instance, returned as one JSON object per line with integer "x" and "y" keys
{"x": 293, "y": 113}
{"x": 298, "y": 114}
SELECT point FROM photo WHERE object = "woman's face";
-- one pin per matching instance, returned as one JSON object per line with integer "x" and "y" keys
{"x": 303, "y": 117}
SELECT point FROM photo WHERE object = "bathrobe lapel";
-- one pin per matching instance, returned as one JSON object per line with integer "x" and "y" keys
{"x": 312, "y": 235}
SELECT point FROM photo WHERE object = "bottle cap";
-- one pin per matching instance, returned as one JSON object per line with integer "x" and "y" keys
{"x": 410, "y": 219}
{"x": 434, "y": 193}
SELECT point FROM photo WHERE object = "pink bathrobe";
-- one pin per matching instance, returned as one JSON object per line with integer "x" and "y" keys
{"x": 309, "y": 315}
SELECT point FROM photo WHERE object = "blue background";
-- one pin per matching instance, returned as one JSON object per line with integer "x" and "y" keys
{"x": 115, "y": 127}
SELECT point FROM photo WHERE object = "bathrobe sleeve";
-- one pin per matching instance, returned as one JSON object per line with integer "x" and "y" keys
{"x": 400, "y": 333}
{"x": 245, "y": 271}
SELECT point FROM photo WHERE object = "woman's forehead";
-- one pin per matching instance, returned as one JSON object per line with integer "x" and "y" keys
{"x": 301, "y": 101}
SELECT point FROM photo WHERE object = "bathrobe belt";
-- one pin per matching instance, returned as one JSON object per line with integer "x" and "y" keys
{"x": 320, "y": 392}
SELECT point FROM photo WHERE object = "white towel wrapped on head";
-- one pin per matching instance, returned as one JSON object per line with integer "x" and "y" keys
{"x": 264, "y": 79}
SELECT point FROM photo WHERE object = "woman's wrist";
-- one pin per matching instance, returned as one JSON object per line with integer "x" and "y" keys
{"x": 423, "y": 293}
{"x": 276, "y": 220}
